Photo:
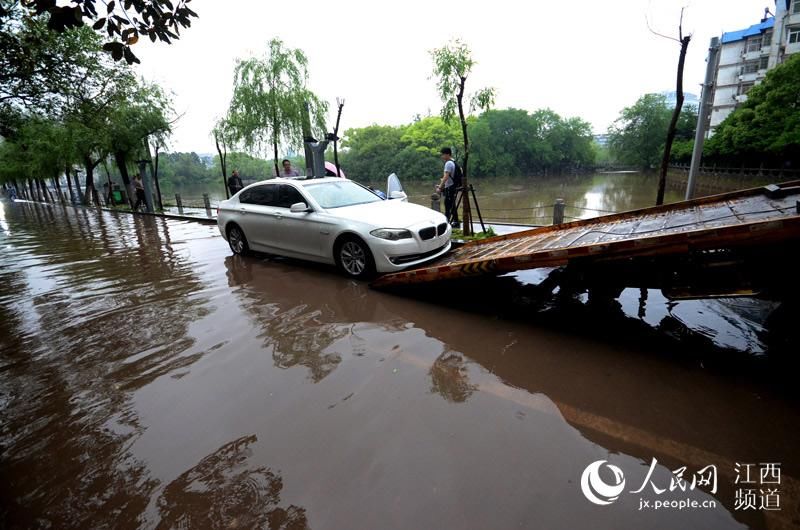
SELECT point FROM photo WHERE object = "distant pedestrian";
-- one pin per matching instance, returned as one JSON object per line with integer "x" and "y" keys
{"x": 288, "y": 170}
{"x": 235, "y": 182}
{"x": 448, "y": 187}
{"x": 138, "y": 186}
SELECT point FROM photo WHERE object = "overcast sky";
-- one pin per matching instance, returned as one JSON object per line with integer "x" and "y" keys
{"x": 586, "y": 58}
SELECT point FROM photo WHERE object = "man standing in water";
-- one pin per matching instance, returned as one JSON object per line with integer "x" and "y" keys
{"x": 448, "y": 186}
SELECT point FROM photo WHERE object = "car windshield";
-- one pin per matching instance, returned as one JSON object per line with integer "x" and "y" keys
{"x": 340, "y": 194}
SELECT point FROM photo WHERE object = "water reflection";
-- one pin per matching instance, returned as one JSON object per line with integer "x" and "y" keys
{"x": 303, "y": 324}
{"x": 224, "y": 490}
{"x": 450, "y": 378}
{"x": 87, "y": 318}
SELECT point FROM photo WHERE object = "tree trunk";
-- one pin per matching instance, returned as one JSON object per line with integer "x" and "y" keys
{"x": 56, "y": 179}
{"x": 39, "y": 193}
{"x": 20, "y": 191}
{"x": 91, "y": 195}
{"x": 42, "y": 186}
{"x": 121, "y": 160}
{"x": 34, "y": 195}
{"x": 222, "y": 152}
{"x": 155, "y": 178}
{"x": 69, "y": 184}
{"x": 466, "y": 215}
{"x": 47, "y": 191}
{"x": 662, "y": 178}
{"x": 109, "y": 198}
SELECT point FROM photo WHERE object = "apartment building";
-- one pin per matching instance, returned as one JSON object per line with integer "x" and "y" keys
{"x": 746, "y": 55}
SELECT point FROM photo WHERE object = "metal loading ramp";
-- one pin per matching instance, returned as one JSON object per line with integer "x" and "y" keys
{"x": 749, "y": 219}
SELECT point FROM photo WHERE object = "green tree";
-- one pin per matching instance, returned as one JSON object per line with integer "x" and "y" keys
{"x": 250, "y": 167}
{"x": 141, "y": 112}
{"x": 507, "y": 142}
{"x": 91, "y": 104}
{"x": 36, "y": 151}
{"x": 504, "y": 143}
{"x": 270, "y": 98}
{"x": 184, "y": 172}
{"x": 370, "y": 152}
{"x": 636, "y": 137}
{"x": 683, "y": 145}
{"x": 766, "y": 127}
{"x": 452, "y": 65}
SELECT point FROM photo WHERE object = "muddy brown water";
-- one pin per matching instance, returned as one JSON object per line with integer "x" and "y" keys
{"x": 150, "y": 379}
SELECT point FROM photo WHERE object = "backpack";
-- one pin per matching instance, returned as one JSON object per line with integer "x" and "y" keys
{"x": 457, "y": 176}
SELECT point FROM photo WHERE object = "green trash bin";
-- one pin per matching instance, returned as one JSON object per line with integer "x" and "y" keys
{"x": 117, "y": 196}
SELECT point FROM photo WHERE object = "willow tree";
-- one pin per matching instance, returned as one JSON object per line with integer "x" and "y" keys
{"x": 270, "y": 98}
{"x": 452, "y": 65}
{"x": 142, "y": 114}
{"x": 223, "y": 139}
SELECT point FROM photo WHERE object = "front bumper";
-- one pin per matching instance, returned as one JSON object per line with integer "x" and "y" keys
{"x": 392, "y": 256}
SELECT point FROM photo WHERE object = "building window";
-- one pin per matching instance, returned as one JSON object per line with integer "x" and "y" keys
{"x": 744, "y": 88}
{"x": 750, "y": 67}
{"x": 794, "y": 33}
{"x": 763, "y": 63}
{"x": 767, "y": 39}
{"x": 753, "y": 44}
{"x": 796, "y": 7}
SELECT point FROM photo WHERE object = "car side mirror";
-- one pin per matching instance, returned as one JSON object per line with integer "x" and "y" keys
{"x": 398, "y": 195}
{"x": 299, "y": 207}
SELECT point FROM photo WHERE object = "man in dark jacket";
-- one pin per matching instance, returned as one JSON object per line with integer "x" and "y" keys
{"x": 235, "y": 182}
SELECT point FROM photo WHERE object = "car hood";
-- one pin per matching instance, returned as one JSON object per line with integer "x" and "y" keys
{"x": 389, "y": 214}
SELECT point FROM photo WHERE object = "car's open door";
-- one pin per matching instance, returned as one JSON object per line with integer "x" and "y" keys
{"x": 394, "y": 189}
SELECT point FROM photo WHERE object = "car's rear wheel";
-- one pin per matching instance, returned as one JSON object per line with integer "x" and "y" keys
{"x": 237, "y": 241}
{"x": 354, "y": 258}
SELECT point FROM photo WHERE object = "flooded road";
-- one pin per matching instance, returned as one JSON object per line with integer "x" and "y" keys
{"x": 150, "y": 379}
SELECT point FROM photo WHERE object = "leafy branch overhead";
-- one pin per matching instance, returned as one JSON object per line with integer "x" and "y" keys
{"x": 123, "y": 22}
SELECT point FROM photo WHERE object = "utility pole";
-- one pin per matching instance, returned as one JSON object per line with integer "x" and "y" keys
{"x": 702, "y": 117}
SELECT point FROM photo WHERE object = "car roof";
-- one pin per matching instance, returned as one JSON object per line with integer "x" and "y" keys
{"x": 300, "y": 181}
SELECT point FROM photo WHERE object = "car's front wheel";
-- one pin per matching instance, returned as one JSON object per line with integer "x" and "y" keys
{"x": 354, "y": 258}
{"x": 237, "y": 241}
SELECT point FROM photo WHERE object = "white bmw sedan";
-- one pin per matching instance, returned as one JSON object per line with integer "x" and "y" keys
{"x": 335, "y": 221}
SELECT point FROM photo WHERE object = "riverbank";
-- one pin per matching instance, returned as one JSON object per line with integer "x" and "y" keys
{"x": 711, "y": 181}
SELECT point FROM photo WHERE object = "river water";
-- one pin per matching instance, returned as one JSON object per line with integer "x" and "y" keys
{"x": 530, "y": 201}
{"x": 150, "y": 379}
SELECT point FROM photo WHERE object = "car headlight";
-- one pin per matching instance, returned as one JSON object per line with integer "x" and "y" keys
{"x": 392, "y": 234}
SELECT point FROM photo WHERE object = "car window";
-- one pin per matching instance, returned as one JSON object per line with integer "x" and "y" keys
{"x": 264, "y": 195}
{"x": 340, "y": 193}
{"x": 288, "y": 195}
